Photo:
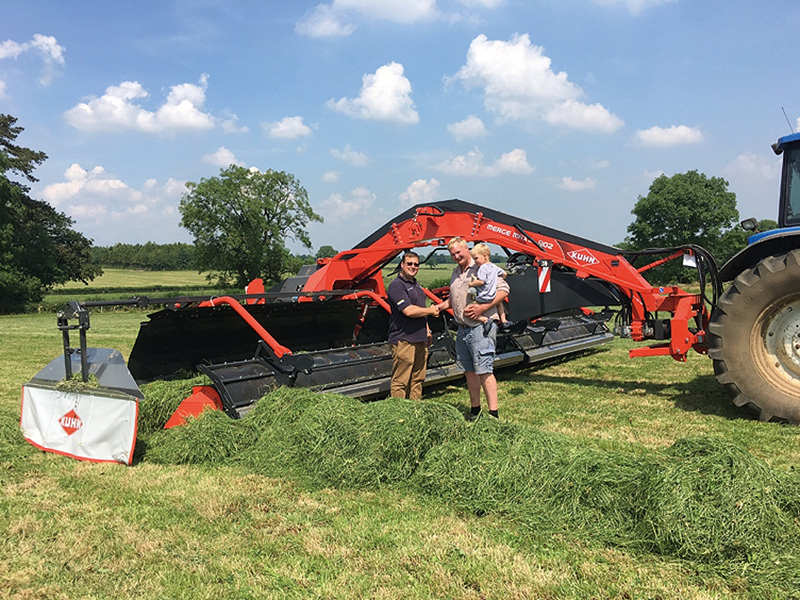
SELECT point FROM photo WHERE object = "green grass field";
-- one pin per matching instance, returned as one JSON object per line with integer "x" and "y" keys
{"x": 81, "y": 530}
{"x": 112, "y": 277}
{"x": 117, "y": 284}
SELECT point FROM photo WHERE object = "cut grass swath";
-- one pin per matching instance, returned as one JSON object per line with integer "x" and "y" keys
{"x": 702, "y": 499}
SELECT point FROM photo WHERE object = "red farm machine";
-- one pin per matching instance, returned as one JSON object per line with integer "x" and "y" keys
{"x": 327, "y": 327}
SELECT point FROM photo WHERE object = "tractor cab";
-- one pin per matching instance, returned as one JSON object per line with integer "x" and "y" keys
{"x": 789, "y": 199}
{"x": 789, "y": 211}
{"x": 786, "y": 237}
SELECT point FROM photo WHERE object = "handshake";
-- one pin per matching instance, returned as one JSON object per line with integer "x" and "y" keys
{"x": 438, "y": 308}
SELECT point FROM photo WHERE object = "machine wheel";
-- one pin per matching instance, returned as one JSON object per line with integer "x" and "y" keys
{"x": 755, "y": 338}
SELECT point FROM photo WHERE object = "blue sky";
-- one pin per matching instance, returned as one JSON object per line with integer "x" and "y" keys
{"x": 558, "y": 112}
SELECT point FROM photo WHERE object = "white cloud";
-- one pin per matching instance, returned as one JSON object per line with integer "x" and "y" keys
{"x": 11, "y": 49}
{"x": 118, "y": 110}
{"x": 754, "y": 177}
{"x": 109, "y": 209}
{"x": 471, "y": 164}
{"x": 230, "y": 123}
{"x": 48, "y": 48}
{"x": 635, "y": 7}
{"x": 92, "y": 211}
{"x": 323, "y": 21}
{"x": 385, "y": 96}
{"x": 397, "y": 11}
{"x": 288, "y": 128}
{"x": 471, "y": 127}
{"x": 753, "y": 166}
{"x": 421, "y": 191}
{"x": 482, "y": 3}
{"x": 330, "y": 176}
{"x": 519, "y": 84}
{"x": 348, "y": 155}
{"x": 589, "y": 117}
{"x": 676, "y": 135}
{"x": 2, "y": 89}
{"x": 338, "y": 208}
{"x": 600, "y": 164}
{"x": 80, "y": 183}
{"x": 334, "y": 20}
{"x": 515, "y": 162}
{"x": 577, "y": 185}
{"x": 652, "y": 175}
{"x": 222, "y": 158}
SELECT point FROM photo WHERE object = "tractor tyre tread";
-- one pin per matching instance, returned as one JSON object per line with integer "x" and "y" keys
{"x": 732, "y": 322}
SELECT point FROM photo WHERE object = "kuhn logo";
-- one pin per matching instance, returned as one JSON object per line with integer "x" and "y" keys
{"x": 70, "y": 422}
{"x": 583, "y": 256}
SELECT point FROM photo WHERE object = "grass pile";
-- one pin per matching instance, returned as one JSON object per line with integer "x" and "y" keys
{"x": 351, "y": 444}
{"x": 161, "y": 398}
{"x": 702, "y": 499}
{"x": 336, "y": 440}
{"x": 77, "y": 385}
{"x": 544, "y": 480}
{"x": 211, "y": 438}
{"x": 713, "y": 499}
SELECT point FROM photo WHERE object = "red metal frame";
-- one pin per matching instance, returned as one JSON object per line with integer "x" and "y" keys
{"x": 430, "y": 226}
{"x": 359, "y": 269}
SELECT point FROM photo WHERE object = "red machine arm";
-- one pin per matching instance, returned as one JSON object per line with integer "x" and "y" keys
{"x": 435, "y": 224}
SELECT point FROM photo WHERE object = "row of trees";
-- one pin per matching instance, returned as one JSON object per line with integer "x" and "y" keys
{"x": 178, "y": 257}
{"x": 149, "y": 256}
{"x": 242, "y": 218}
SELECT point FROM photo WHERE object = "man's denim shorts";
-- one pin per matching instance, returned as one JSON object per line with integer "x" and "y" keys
{"x": 475, "y": 349}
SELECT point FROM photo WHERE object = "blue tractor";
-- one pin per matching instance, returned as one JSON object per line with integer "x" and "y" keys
{"x": 754, "y": 336}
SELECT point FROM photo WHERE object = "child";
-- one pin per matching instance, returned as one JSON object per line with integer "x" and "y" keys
{"x": 485, "y": 283}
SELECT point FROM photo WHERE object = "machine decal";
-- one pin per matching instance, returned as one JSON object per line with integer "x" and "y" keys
{"x": 544, "y": 279}
{"x": 583, "y": 256}
{"x": 70, "y": 422}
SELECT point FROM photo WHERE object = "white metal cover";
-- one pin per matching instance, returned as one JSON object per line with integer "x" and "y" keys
{"x": 83, "y": 425}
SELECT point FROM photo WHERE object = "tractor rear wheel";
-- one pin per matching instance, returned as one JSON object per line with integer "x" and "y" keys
{"x": 754, "y": 338}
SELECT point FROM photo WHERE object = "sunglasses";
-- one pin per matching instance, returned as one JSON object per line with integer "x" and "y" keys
{"x": 408, "y": 264}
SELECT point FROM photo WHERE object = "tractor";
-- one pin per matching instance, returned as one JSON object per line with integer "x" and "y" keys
{"x": 754, "y": 333}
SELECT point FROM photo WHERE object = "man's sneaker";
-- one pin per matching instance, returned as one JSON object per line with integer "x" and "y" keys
{"x": 473, "y": 416}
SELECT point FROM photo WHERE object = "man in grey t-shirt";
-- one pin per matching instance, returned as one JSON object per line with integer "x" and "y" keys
{"x": 475, "y": 347}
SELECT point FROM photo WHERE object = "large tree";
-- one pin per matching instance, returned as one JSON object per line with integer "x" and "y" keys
{"x": 38, "y": 247}
{"x": 241, "y": 219}
{"x": 685, "y": 208}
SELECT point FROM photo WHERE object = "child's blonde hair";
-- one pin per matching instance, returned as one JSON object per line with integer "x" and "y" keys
{"x": 482, "y": 249}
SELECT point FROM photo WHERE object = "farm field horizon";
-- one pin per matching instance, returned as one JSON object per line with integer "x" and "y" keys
{"x": 117, "y": 283}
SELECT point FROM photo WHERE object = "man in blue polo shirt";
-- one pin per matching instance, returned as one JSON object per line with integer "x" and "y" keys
{"x": 409, "y": 333}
